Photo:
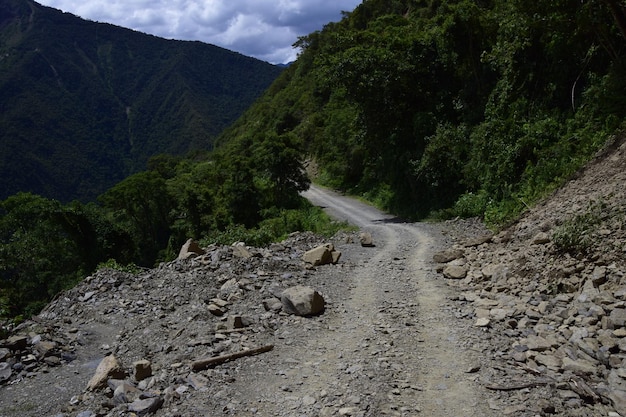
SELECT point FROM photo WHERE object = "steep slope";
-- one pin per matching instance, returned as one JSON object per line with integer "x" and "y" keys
{"x": 85, "y": 104}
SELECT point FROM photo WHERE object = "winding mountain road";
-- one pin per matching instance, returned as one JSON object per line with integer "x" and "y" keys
{"x": 428, "y": 356}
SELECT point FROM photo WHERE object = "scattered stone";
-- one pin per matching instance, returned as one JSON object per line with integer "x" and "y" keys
{"x": 541, "y": 238}
{"x": 322, "y": 255}
{"x": 145, "y": 406}
{"x": 191, "y": 248}
{"x": 302, "y": 301}
{"x": 482, "y": 322}
{"x": 15, "y": 343}
{"x": 477, "y": 241}
{"x": 455, "y": 272}
{"x": 5, "y": 372}
{"x": 448, "y": 255}
{"x": 109, "y": 367}
{"x": 240, "y": 251}
{"x": 366, "y": 240}
{"x": 142, "y": 369}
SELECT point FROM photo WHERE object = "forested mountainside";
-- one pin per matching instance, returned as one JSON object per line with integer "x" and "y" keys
{"x": 459, "y": 107}
{"x": 85, "y": 104}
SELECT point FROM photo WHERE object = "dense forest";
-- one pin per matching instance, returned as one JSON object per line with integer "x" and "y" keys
{"x": 85, "y": 104}
{"x": 427, "y": 108}
{"x": 469, "y": 107}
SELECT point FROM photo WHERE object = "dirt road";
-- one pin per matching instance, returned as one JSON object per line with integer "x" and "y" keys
{"x": 389, "y": 343}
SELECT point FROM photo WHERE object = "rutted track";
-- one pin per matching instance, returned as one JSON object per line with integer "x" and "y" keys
{"x": 388, "y": 345}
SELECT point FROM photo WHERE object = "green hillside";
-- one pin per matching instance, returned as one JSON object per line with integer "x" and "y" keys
{"x": 84, "y": 104}
{"x": 452, "y": 107}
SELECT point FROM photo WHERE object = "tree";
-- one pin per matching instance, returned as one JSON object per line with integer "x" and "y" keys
{"x": 143, "y": 205}
{"x": 281, "y": 174}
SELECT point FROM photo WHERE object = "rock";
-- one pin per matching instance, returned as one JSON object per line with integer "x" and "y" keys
{"x": 448, "y": 255}
{"x": 618, "y": 317}
{"x": 240, "y": 251}
{"x": 541, "y": 238}
{"x": 216, "y": 310}
{"x": 16, "y": 343}
{"x": 272, "y": 304}
{"x": 191, "y": 248}
{"x": 123, "y": 392}
{"x": 302, "y": 301}
{"x": 482, "y": 322}
{"x": 618, "y": 398}
{"x": 197, "y": 381}
{"x": 5, "y": 371}
{"x": 52, "y": 360}
{"x": 538, "y": 343}
{"x": 579, "y": 366}
{"x": 4, "y": 354}
{"x": 366, "y": 240}
{"x": 45, "y": 348}
{"x": 109, "y": 367}
{"x": 598, "y": 276}
{"x": 477, "y": 241}
{"x": 145, "y": 406}
{"x": 142, "y": 369}
{"x": 550, "y": 361}
{"x": 321, "y": 255}
{"x": 455, "y": 272}
{"x": 234, "y": 322}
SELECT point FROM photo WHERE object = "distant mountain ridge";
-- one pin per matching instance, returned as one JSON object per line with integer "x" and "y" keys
{"x": 85, "y": 104}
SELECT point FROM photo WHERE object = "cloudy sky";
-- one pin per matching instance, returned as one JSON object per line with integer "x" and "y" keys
{"x": 264, "y": 29}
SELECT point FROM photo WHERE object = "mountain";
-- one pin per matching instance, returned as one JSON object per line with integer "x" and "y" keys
{"x": 85, "y": 104}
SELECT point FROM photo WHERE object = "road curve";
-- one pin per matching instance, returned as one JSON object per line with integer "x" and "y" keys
{"x": 429, "y": 354}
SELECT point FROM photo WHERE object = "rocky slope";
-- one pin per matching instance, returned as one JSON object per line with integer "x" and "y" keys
{"x": 428, "y": 319}
{"x": 550, "y": 293}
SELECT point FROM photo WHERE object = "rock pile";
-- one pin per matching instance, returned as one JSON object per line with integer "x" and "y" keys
{"x": 550, "y": 292}
{"x": 147, "y": 332}
{"x": 36, "y": 351}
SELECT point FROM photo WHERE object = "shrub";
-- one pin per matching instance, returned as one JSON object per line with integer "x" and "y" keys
{"x": 575, "y": 235}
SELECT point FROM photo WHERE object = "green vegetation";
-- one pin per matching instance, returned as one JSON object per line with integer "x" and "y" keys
{"x": 427, "y": 108}
{"x": 433, "y": 108}
{"x": 85, "y": 104}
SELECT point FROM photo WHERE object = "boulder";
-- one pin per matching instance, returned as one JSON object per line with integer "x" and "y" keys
{"x": 191, "y": 248}
{"x": 447, "y": 255}
{"x": 240, "y": 251}
{"x": 366, "y": 240}
{"x": 455, "y": 272}
{"x": 322, "y": 255}
{"x": 302, "y": 301}
{"x": 142, "y": 369}
{"x": 109, "y": 367}
{"x": 145, "y": 406}
{"x": 16, "y": 343}
{"x": 541, "y": 238}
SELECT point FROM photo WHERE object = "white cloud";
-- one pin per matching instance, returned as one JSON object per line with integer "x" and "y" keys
{"x": 265, "y": 29}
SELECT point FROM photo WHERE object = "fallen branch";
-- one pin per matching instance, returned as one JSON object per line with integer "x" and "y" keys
{"x": 205, "y": 363}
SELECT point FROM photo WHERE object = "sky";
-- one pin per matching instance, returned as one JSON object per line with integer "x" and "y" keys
{"x": 264, "y": 29}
